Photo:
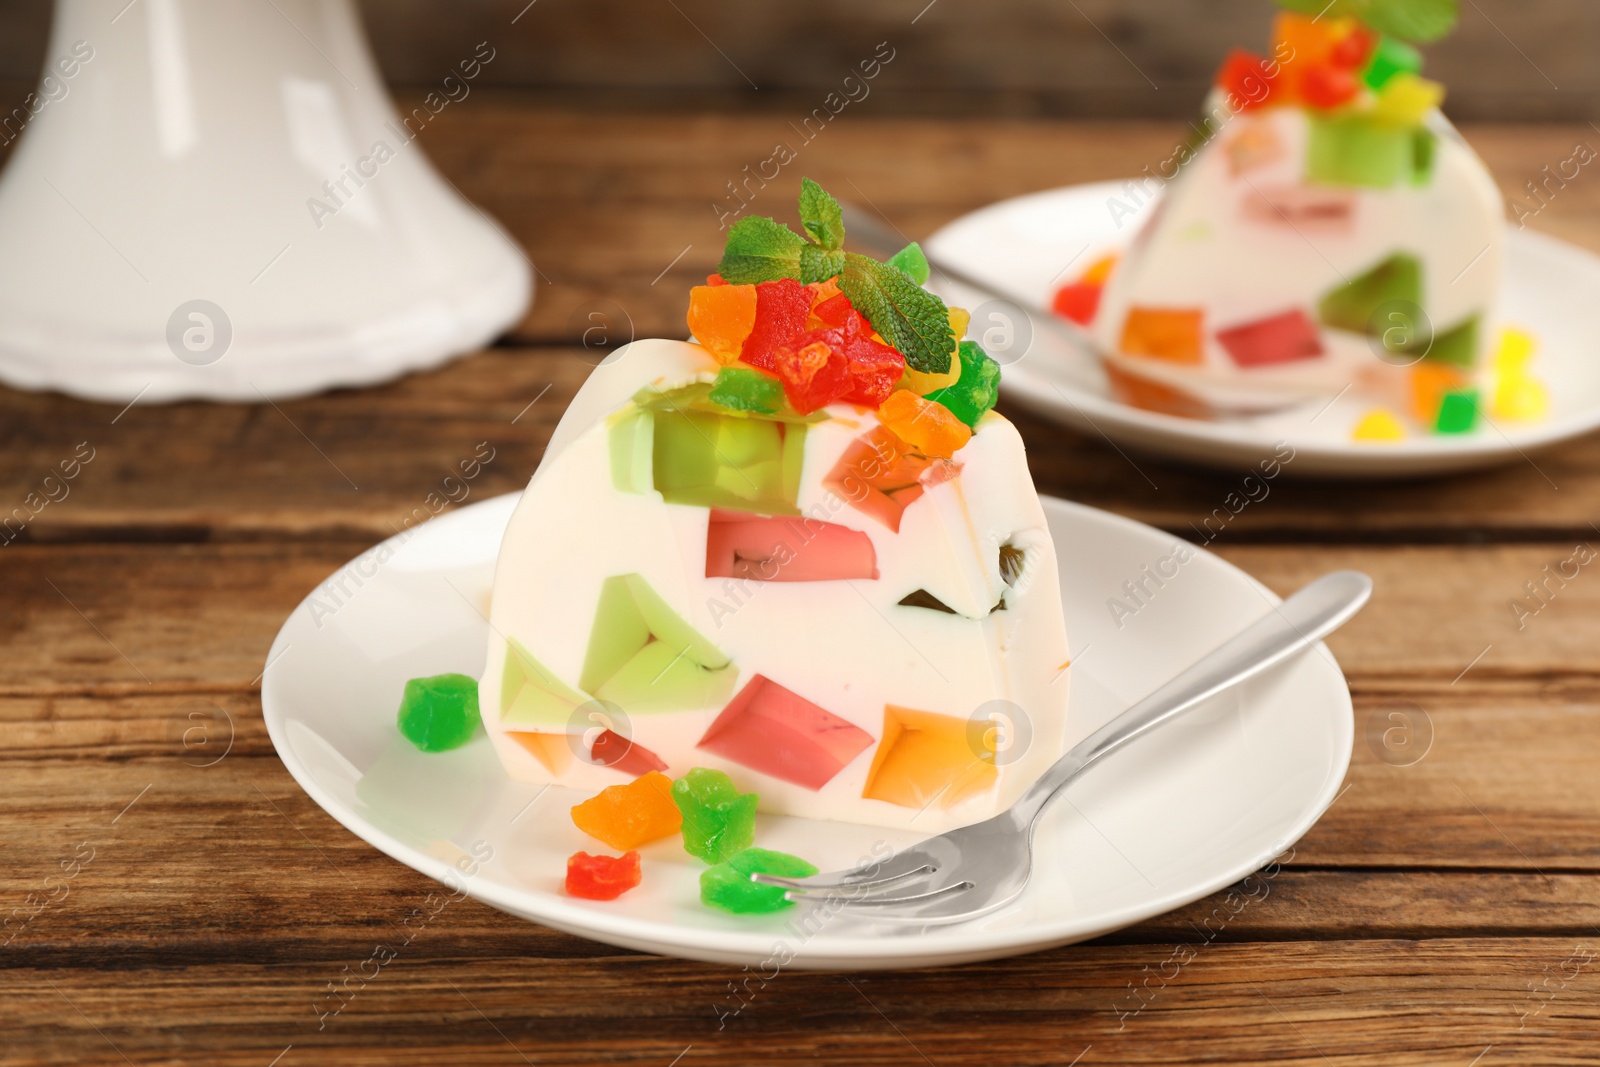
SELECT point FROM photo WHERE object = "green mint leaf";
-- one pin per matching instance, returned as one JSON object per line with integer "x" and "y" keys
{"x": 820, "y": 215}
{"x": 911, "y": 260}
{"x": 817, "y": 264}
{"x": 760, "y": 250}
{"x": 1409, "y": 20}
{"x": 909, "y": 317}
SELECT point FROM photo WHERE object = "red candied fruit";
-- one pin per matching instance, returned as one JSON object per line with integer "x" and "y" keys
{"x": 813, "y": 370}
{"x": 1354, "y": 49}
{"x": 1247, "y": 78}
{"x": 601, "y": 877}
{"x": 781, "y": 310}
{"x": 837, "y": 310}
{"x": 1327, "y": 86}
{"x": 874, "y": 370}
{"x": 1078, "y": 301}
{"x": 715, "y": 279}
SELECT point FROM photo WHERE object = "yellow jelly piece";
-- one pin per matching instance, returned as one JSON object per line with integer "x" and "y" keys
{"x": 1379, "y": 424}
{"x": 923, "y": 384}
{"x": 1515, "y": 351}
{"x": 1406, "y": 99}
{"x": 925, "y": 757}
{"x": 1520, "y": 398}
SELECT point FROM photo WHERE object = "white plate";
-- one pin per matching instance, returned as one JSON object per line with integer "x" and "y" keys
{"x": 1176, "y": 816}
{"x": 1031, "y": 245}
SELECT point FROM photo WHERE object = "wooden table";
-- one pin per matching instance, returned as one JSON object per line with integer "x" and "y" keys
{"x": 196, "y": 903}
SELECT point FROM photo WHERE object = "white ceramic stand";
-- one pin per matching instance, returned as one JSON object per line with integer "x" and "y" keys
{"x": 219, "y": 201}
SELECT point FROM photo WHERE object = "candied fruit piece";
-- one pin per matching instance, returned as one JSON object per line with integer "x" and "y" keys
{"x": 1429, "y": 383}
{"x": 925, "y": 757}
{"x": 1391, "y": 57}
{"x": 787, "y": 549}
{"x": 1352, "y": 305}
{"x": 913, "y": 261}
{"x": 715, "y": 279}
{"x": 813, "y": 369}
{"x": 1328, "y": 86}
{"x": 1354, "y": 49}
{"x": 1458, "y": 411}
{"x": 1307, "y": 42}
{"x": 627, "y": 816}
{"x": 1078, "y": 301}
{"x": 746, "y": 389}
{"x": 881, "y": 476}
{"x": 1283, "y": 338}
{"x": 978, "y": 388}
{"x": 1172, "y": 334}
{"x": 1379, "y": 424}
{"x": 601, "y": 877}
{"x": 1515, "y": 350}
{"x": 643, "y": 656}
{"x": 1357, "y": 151}
{"x": 925, "y": 425}
{"x": 780, "y": 733}
{"x": 1100, "y": 269}
{"x": 875, "y": 369}
{"x": 721, "y": 317}
{"x": 922, "y": 382}
{"x": 1247, "y": 79}
{"x": 1406, "y": 100}
{"x": 440, "y": 712}
{"x": 836, "y": 310}
{"x": 782, "y": 308}
{"x": 531, "y": 694}
{"x": 718, "y": 820}
{"x": 611, "y": 749}
{"x": 728, "y": 885}
{"x": 1518, "y": 397}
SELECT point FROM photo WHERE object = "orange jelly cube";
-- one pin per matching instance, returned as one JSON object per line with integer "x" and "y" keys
{"x": 1172, "y": 334}
{"x": 1429, "y": 383}
{"x": 926, "y": 425}
{"x": 721, "y": 317}
{"x": 627, "y": 816}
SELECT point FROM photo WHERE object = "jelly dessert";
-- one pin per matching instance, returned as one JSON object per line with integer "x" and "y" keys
{"x": 601, "y": 877}
{"x": 439, "y": 713}
{"x": 802, "y": 552}
{"x": 1327, "y": 230}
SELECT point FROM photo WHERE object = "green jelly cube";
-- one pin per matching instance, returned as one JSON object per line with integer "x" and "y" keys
{"x": 1353, "y": 305}
{"x": 1457, "y": 346}
{"x": 1424, "y": 146}
{"x": 1392, "y": 56}
{"x": 976, "y": 391}
{"x": 439, "y": 713}
{"x": 531, "y": 694}
{"x": 629, "y": 438}
{"x": 1459, "y": 411}
{"x": 913, "y": 261}
{"x": 725, "y": 461}
{"x": 1352, "y": 150}
{"x": 718, "y": 820}
{"x": 747, "y": 389}
{"x": 643, "y": 656}
{"x": 728, "y": 885}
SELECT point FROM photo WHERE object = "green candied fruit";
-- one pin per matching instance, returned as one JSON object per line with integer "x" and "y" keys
{"x": 718, "y": 820}
{"x": 1458, "y": 413}
{"x": 913, "y": 262}
{"x": 976, "y": 391}
{"x": 728, "y": 885}
{"x": 1352, "y": 305}
{"x": 439, "y": 713}
{"x": 1354, "y": 150}
{"x": 747, "y": 389}
{"x": 1392, "y": 56}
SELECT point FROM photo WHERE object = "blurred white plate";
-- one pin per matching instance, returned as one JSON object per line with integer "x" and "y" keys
{"x": 1031, "y": 245}
{"x": 1181, "y": 814}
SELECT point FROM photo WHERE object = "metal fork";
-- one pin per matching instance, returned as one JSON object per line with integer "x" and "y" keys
{"x": 976, "y": 869}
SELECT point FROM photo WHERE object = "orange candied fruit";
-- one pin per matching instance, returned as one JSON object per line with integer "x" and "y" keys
{"x": 926, "y": 425}
{"x": 721, "y": 317}
{"x": 627, "y": 816}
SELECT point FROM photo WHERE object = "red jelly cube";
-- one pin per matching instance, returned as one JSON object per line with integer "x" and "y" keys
{"x": 781, "y": 310}
{"x": 623, "y": 754}
{"x": 778, "y": 732}
{"x": 601, "y": 877}
{"x": 1281, "y": 338}
{"x": 785, "y": 549}
{"x": 1247, "y": 79}
{"x": 813, "y": 369}
{"x": 1078, "y": 302}
{"x": 1328, "y": 86}
{"x": 880, "y": 475}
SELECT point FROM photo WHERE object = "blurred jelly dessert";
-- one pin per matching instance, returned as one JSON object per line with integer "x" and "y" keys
{"x": 802, "y": 551}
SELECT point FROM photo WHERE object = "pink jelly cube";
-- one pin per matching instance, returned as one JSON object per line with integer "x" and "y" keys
{"x": 780, "y": 733}
{"x": 739, "y": 545}
{"x": 1281, "y": 338}
{"x": 623, "y": 754}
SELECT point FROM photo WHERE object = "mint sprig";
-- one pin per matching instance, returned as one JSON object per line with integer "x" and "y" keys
{"x": 760, "y": 249}
{"x": 817, "y": 264}
{"x": 1410, "y": 20}
{"x": 909, "y": 317}
{"x": 821, "y": 215}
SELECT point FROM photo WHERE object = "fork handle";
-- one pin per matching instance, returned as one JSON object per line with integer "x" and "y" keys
{"x": 1299, "y": 622}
